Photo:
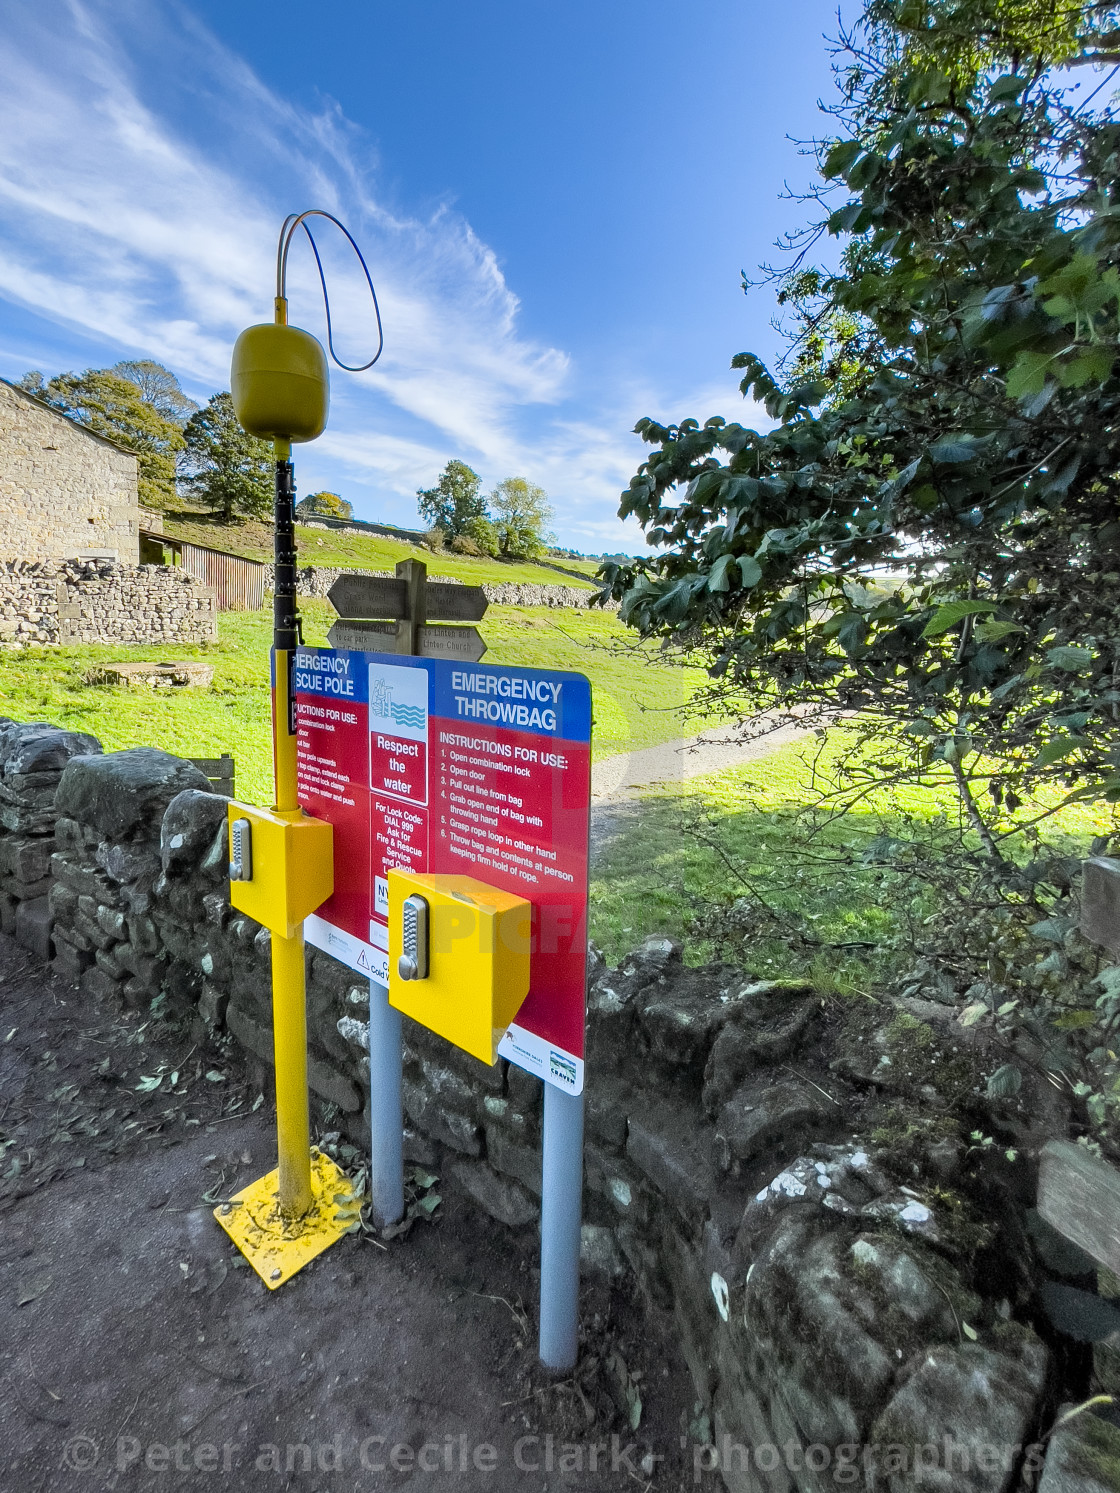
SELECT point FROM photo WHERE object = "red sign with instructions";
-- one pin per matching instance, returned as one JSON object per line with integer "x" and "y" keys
{"x": 433, "y": 765}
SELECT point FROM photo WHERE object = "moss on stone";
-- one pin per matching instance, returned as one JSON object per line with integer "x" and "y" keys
{"x": 1094, "y": 1451}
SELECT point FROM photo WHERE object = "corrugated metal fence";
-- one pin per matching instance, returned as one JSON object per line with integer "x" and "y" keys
{"x": 238, "y": 583}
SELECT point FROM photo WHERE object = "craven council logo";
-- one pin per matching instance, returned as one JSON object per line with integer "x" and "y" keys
{"x": 561, "y": 1067}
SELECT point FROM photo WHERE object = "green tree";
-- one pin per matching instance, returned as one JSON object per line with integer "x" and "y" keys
{"x": 231, "y": 472}
{"x": 324, "y": 505}
{"x": 115, "y": 406}
{"x": 455, "y": 504}
{"x": 159, "y": 387}
{"x": 928, "y": 535}
{"x": 521, "y": 516}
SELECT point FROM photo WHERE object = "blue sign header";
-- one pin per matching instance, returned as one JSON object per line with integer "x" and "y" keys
{"x": 544, "y": 702}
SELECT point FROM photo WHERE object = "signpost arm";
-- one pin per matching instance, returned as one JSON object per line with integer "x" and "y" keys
{"x": 561, "y": 1215}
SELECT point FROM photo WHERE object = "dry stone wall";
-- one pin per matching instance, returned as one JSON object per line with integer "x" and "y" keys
{"x": 100, "y": 602}
{"x": 314, "y": 580}
{"x": 852, "y": 1309}
{"x": 63, "y": 490}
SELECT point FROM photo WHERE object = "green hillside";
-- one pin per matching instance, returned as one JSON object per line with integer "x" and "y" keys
{"x": 638, "y": 698}
{"x": 336, "y": 550}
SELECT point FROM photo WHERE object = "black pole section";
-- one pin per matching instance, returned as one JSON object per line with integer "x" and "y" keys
{"x": 285, "y": 618}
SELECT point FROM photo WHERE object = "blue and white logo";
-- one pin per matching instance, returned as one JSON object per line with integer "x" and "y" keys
{"x": 398, "y": 701}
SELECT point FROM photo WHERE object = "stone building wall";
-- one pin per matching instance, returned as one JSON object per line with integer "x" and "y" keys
{"x": 64, "y": 492}
{"x": 98, "y": 602}
{"x": 839, "y": 1280}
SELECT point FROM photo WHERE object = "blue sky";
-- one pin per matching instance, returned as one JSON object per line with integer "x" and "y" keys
{"x": 555, "y": 200}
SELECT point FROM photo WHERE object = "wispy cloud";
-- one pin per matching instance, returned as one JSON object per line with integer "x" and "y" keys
{"x": 135, "y": 158}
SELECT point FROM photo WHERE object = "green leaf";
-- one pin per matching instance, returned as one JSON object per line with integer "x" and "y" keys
{"x": 750, "y": 571}
{"x": 1059, "y": 749}
{"x": 1005, "y": 1082}
{"x": 840, "y": 157}
{"x": 992, "y": 632}
{"x": 719, "y": 577}
{"x": 852, "y": 632}
{"x": 846, "y": 220}
{"x": 635, "y": 1400}
{"x": 954, "y": 449}
{"x": 930, "y": 88}
{"x": 1075, "y": 1021}
{"x": 1028, "y": 374}
{"x": 951, "y": 613}
{"x": 864, "y": 171}
{"x": 1053, "y": 930}
{"x": 1091, "y": 365}
{"x": 974, "y": 1013}
{"x": 1070, "y": 658}
{"x": 1007, "y": 87}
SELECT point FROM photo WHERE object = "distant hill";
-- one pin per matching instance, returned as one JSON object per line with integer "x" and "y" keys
{"x": 338, "y": 549}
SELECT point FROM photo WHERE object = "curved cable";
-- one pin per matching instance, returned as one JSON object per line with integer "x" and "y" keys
{"x": 297, "y": 220}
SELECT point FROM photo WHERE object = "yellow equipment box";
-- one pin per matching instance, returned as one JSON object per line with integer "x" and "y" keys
{"x": 458, "y": 957}
{"x": 281, "y": 865}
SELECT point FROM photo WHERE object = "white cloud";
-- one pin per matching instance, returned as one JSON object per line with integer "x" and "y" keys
{"x": 135, "y": 210}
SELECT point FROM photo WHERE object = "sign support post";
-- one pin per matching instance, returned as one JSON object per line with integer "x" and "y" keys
{"x": 386, "y": 1112}
{"x": 561, "y": 1216}
{"x": 386, "y": 1061}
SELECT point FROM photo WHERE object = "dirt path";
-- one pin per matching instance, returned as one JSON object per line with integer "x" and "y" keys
{"x": 138, "y": 1352}
{"x": 617, "y": 783}
{"x": 618, "y": 778}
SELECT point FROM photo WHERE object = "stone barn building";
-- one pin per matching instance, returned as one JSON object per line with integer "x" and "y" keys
{"x": 65, "y": 493}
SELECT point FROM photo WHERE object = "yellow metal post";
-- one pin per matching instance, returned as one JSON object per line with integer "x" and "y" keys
{"x": 291, "y": 1215}
{"x": 289, "y": 1021}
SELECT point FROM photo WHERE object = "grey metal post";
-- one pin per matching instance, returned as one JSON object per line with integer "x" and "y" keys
{"x": 385, "y": 1115}
{"x": 561, "y": 1214}
{"x": 386, "y": 1118}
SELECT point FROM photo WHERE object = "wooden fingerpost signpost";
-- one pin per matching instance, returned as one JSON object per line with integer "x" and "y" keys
{"x": 395, "y": 613}
{"x": 459, "y": 794}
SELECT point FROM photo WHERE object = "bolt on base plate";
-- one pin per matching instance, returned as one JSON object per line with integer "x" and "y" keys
{"x": 278, "y": 1247}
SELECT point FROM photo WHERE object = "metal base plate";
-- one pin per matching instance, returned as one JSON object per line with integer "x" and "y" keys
{"x": 278, "y": 1247}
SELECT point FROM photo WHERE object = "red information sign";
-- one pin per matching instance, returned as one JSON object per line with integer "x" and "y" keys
{"x": 433, "y": 765}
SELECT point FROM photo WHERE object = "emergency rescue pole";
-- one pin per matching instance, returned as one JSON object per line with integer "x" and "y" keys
{"x": 281, "y": 859}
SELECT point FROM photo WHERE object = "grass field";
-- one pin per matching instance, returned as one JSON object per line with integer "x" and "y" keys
{"x": 335, "y": 550}
{"x": 638, "y": 698}
{"x": 742, "y": 833}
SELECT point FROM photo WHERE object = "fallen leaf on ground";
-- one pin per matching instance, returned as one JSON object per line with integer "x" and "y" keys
{"x": 32, "y": 1290}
